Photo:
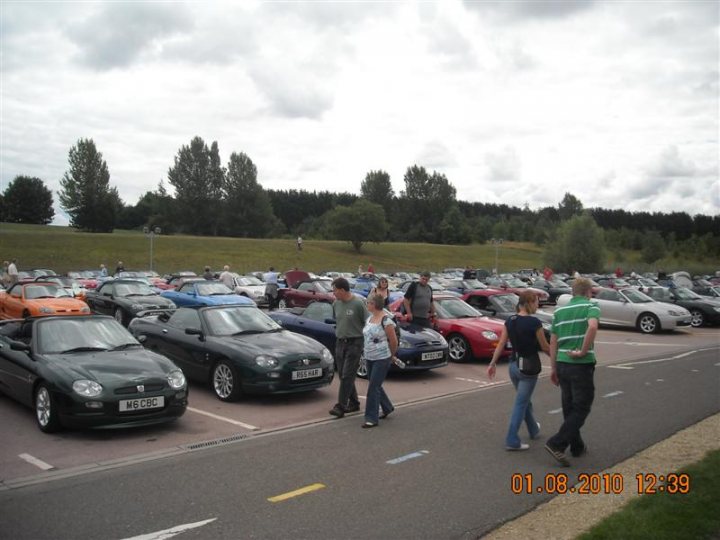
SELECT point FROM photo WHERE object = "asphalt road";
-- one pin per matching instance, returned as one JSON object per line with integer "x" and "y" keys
{"x": 435, "y": 469}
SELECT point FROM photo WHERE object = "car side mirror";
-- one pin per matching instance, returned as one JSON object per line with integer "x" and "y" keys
{"x": 141, "y": 338}
{"x": 19, "y": 346}
{"x": 195, "y": 332}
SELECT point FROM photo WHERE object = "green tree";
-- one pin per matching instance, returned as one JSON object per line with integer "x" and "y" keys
{"x": 198, "y": 178}
{"x": 377, "y": 188}
{"x": 86, "y": 194}
{"x": 569, "y": 206}
{"x": 578, "y": 245}
{"x": 247, "y": 206}
{"x": 454, "y": 228}
{"x": 428, "y": 198}
{"x": 27, "y": 200}
{"x": 359, "y": 223}
{"x": 653, "y": 248}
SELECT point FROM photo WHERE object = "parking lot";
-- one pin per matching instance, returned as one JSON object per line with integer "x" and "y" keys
{"x": 26, "y": 452}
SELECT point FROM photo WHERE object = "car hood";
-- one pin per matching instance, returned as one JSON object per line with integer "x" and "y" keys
{"x": 151, "y": 300}
{"x": 112, "y": 368}
{"x": 225, "y": 299}
{"x": 63, "y": 303}
{"x": 476, "y": 324}
{"x": 283, "y": 343}
{"x": 418, "y": 334}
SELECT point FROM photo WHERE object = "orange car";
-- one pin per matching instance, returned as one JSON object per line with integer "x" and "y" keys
{"x": 37, "y": 299}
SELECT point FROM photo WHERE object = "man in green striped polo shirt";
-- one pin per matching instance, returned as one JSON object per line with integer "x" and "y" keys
{"x": 572, "y": 359}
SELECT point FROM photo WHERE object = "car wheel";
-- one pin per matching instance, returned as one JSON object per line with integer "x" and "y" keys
{"x": 225, "y": 381}
{"x": 119, "y": 316}
{"x": 46, "y": 412}
{"x": 362, "y": 371}
{"x": 648, "y": 323}
{"x": 459, "y": 348}
{"x": 282, "y": 304}
{"x": 698, "y": 319}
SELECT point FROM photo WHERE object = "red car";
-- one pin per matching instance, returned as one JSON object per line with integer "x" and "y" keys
{"x": 516, "y": 285}
{"x": 469, "y": 334}
{"x": 302, "y": 290}
{"x": 613, "y": 283}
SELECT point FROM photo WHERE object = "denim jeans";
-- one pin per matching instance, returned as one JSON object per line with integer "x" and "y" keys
{"x": 376, "y": 396}
{"x": 578, "y": 391}
{"x": 347, "y": 358}
{"x": 523, "y": 409}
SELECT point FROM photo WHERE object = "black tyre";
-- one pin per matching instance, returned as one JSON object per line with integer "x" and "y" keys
{"x": 282, "y": 304}
{"x": 698, "y": 319}
{"x": 648, "y": 323}
{"x": 46, "y": 413}
{"x": 459, "y": 348}
{"x": 225, "y": 381}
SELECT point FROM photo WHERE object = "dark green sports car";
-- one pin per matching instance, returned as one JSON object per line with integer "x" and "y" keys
{"x": 124, "y": 299}
{"x": 87, "y": 371}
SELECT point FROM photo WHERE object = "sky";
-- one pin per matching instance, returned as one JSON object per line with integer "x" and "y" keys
{"x": 515, "y": 103}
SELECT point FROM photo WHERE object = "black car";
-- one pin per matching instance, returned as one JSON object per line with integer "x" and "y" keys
{"x": 237, "y": 349}
{"x": 87, "y": 371}
{"x": 554, "y": 287}
{"x": 124, "y": 299}
{"x": 703, "y": 310}
{"x": 503, "y": 305}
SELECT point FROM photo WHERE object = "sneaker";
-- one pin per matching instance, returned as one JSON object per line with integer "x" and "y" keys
{"x": 537, "y": 434}
{"x": 559, "y": 456}
{"x": 368, "y": 425}
{"x": 581, "y": 452}
{"x": 352, "y": 408}
{"x": 338, "y": 411}
{"x": 523, "y": 446}
{"x": 386, "y": 414}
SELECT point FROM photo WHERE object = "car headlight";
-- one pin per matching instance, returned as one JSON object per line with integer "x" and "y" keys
{"x": 404, "y": 344}
{"x": 87, "y": 388}
{"x": 176, "y": 379}
{"x": 675, "y": 313}
{"x": 85, "y": 310}
{"x": 137, "y": 307}
{"x": 489, "y": 334}
{"x": 327, "y": 355}
{"x": 266, "y": 361}
{"x": 442, "y": 341}
{"x": 45, "y": 309}
{"x": 171, "y": 305}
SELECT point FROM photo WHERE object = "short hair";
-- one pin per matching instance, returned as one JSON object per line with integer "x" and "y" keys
{"x": 207, "y": 268}
{"x": 581, "y": 286}
{"x": 377, "y": 300}
{"x": 272, "y": 268}
{"x": 341, "y": 283}
{"x": 425, "y": 273}
{"x": 527, "y": 301}
{"x": 226, "y": 267}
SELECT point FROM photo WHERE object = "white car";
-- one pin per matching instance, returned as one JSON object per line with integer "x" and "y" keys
{"x": 251, "y": 287}
{"x": 630, "y": 307}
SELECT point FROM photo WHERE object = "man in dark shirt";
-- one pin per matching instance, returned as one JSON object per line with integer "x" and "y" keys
{"x": 418, "y": 302}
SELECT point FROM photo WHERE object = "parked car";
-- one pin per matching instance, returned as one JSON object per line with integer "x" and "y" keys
{"x": 251, "y": 287}
{"x": 703, "y": 310}
{"x": 71, "y": 285}
{"x": 630, "y": 307}
{"x": 302, "y": 290}
{"x": 125, "y": 299}
{"x": 554, "y": 288}
{"x": 38, "y": 299}
{"x": 86, "y": 278}
{"x": 204, "y": 293}
{"x": 174, "y": 281}
{"x": 516, "y": 286}
{"x": 710, "y": 291}
{"x": 237, "y": 350}
{"x": 419, "y": 348}
{"x": 469, "y": 334}
{"x": 461, "y": 286}
{"x": 503, "y": 305}
{"x": 87, "y": 372}
{"x": 613, "y": 283}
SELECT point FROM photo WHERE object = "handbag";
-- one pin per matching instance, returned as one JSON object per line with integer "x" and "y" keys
{"x": 528, "y": 364}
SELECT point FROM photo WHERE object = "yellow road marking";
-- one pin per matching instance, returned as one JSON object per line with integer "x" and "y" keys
{"x": 291, "y": 494}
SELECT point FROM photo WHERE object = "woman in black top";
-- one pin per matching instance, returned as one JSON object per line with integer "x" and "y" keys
{"x": 382, "y": 289}
{"x": 527, "y": 338}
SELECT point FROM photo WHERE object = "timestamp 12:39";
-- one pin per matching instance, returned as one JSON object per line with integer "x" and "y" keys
{"x": 600, "y": 483}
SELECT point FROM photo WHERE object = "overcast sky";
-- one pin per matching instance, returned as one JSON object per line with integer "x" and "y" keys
{"x": 515, "y": 102}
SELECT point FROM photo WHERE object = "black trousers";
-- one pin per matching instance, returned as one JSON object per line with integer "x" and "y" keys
{"x": 577, "y": 389}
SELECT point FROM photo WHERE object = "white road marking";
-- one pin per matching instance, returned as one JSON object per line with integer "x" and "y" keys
{"x": 695, "y": 370}
{"x": 224, "y": 419}
{"x": 555, "y": 411}
{"x": 37, "y": 462}
{"x": 636, "y": 343}
{"x": 400, "y": 459}
{"x": 613, "y": 394}
{"x": 481, "y": 382}
{"x": 660, "y": 380}
{"x": 628, "y": 365}
{"x": 169, "y": 533}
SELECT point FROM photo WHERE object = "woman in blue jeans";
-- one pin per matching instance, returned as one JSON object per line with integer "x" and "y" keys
{"x": 527, "y": 338}
{"x": 380, "y": 347}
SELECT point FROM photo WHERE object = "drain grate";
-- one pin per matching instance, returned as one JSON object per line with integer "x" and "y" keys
{"x": 216, "y": 442}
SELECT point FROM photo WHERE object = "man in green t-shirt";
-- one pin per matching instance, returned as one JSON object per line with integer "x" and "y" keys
{"x": 572, "y": 360}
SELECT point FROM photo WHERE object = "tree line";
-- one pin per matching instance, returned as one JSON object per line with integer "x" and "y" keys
{"x": 215, "y": 199}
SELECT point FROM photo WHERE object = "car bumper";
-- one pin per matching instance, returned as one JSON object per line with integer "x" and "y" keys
{"x": 284, "y": 385}
{"x": 414, "y": 359}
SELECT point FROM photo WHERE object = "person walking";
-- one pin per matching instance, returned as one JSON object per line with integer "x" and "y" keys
{"x": 380, "y": 346}
{"x": 572, "y": 360}
{"x": 527, "y": 337}
{"x": 299, "y": 243}
{"x": 12, "y": 272}
{"x": 381, "y": 289}
{"x": 350, "y": 316}
{"x": 418, "y": 302}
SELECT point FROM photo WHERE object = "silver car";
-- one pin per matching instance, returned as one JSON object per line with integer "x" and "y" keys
{"x": 630, "y": 307}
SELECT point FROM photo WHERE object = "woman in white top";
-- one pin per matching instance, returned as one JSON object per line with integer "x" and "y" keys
{"x": 380, "y": 347}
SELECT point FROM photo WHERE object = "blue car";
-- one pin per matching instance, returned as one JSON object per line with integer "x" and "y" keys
{"x": 204, "y": 293}
{"x": 420, "y": 348}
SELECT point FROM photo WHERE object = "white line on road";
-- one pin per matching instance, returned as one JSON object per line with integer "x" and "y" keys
{"x": 37, "y": 462}
{"x": 169, "y": 533}
{"x": 627, "y": 365}
{"x": 400, "y": 459}
{"x": 481, "y": 382}
{"x": 555, "y": 411}
{"x": 636, "y": 343}
{"x": 613, "y": 394}
{"x": 224, "y": 419}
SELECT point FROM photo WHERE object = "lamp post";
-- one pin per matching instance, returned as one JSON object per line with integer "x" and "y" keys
{"x": 150, "y": 233}
{"x": 497, "y": 242}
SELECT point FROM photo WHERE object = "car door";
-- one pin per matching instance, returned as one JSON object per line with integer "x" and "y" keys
{"x": 187, "y": 351}
{"x": 14, "y": 302}
{"x": 186, "y": 295}
{"x": 615, "y": 309}
{"x": 18, "y": 371}
{"x": 306, "y": 293}
{"x": 102, "y": 301}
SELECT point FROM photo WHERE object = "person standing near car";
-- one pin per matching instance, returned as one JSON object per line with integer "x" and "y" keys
{"x": 350, "y": 316}
{"x": 418, "y": 302}
{"x": 12, "y": 272}
{"x": 381, "y": 289}
{"x": 271, "y": 287}
{"x": 103, "y": 271}
{"x": 380, "y": 346}
{"x": 572, "y": 361}
{"x": 119, "y": 268}
{"x": 527, "y": 337}
{"x": 227, "y": 278}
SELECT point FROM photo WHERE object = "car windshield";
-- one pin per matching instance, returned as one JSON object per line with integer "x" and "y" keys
{"x": 324, "y": 285}
{"x": 454, "y": 308}
{"x": 474, "y": 284}
{"x": 660, "y": 294}
{"x": 133, "y": 289}
{"x": 237, "y": 320}
{"x": 66, "y": 334}
{"x": 684, "y": 293}
{"x": 516, "y": 282}
{"x": 33, "y": 292}
{"x": 558, "y": 283}
{"x": 506, "y": 302}
{"x": 246, "y": 281}
{"x": 209, "y": 289}
{"x": 636, "y": 297}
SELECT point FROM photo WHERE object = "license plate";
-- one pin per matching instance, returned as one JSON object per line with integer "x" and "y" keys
{"x": 431, "y": 355}
{"x": 306, "y": 374}
{"x": 156, "y": 402}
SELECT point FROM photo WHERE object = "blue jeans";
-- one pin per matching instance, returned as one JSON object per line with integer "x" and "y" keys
{"x": 376, "y": 396}
{"x": 523, "y": 409}
{"x": 578, "y": 392}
